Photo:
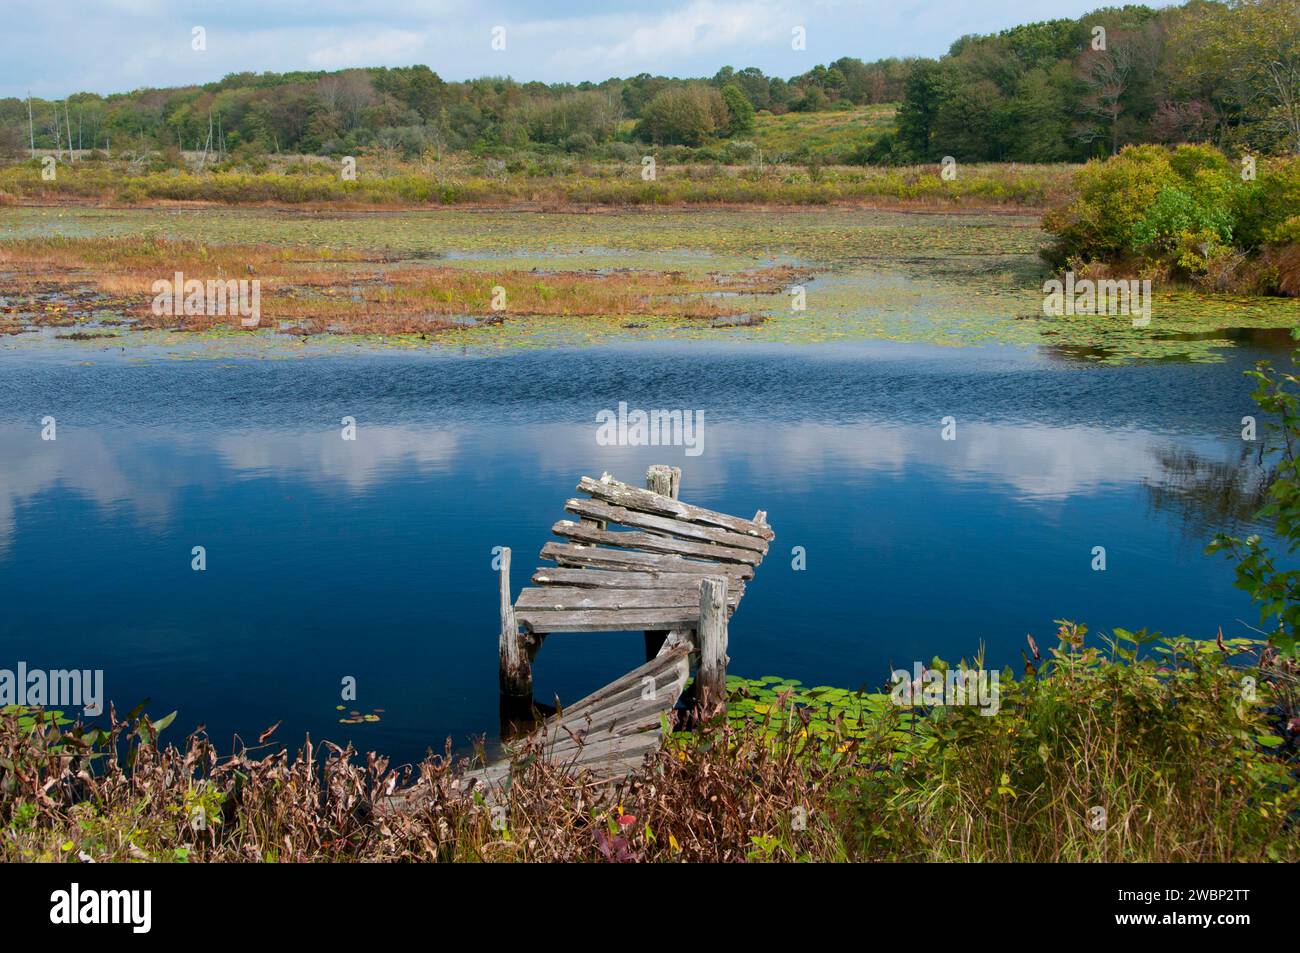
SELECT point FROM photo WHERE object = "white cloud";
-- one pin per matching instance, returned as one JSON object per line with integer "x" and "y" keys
{"x": 326, "y": 458}
{"x": 342, "y": 50}
{"x": 627, "y": 44}
{"x": 147, "y": 473}
{"x": 115, "y": 46}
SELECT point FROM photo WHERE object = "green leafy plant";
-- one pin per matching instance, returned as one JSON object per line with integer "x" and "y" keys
{"x": 1259, "y": 567}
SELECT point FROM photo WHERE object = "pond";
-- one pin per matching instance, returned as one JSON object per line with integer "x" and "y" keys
{"x": 372, "y": 558}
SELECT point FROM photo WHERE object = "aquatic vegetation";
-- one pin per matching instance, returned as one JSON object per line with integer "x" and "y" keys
{"x": 355, "y": 717}
{"x": 304, "y": 291}
{"x": 1144, "y": 749}
{"x": 1167, "y": 736}
{"x": 707, "y": 274}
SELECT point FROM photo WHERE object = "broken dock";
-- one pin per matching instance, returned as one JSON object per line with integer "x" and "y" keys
{"x": 634, "y": 560}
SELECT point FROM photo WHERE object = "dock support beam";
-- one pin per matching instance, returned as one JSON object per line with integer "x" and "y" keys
{"x": 711, "y": 682}
{"x": 516, "y": 669}
{"x": 666, "y": 481}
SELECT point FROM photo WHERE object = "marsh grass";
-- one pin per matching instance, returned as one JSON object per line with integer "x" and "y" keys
{"x": 313, "y": 290}
{"x": 460, "y": 182}
{"x": 1158, "y": 733}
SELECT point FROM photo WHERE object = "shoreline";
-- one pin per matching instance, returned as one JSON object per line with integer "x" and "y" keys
{"x": 902, "y": 206}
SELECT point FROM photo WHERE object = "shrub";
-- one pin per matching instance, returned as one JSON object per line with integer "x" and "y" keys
{"x": 1111, "y": 198}
{"x": 740, "y": 113}
{"x": 1264, "y": 206}
{"x": 622, "y": 151}
{"x": 687, "y": 115}
{"x": 580, "y": 142}
{"x": 1184, "y": 211}
{"x": 1176, "y": 215}
{"x": 736, "y": 152}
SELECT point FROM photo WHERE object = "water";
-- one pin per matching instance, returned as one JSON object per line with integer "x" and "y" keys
{"x": 372, "y": 559}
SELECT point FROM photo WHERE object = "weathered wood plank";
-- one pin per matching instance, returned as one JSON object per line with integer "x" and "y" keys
{"x": 605, "y": 748}
{"x": 658, "y": 693}
{"x": 515, "y": 669}
{"x": 633, "y": 717}
{"x": 570, "y": 597}
{"x": 712, "y": 681}
{"x": 647, "y": 501}
{"x": 665, "y": 662}
{"x": 604, "y": 736}
{"x": 641, "y": 703}
{"x": 666, "y": 481}
{"x": 594, "y": 511}
{"x": 568, "y": 554}
{"x": 606, "y": 620}
{"x": 574, "y": 597}
{"x": 651, "y": 543}
{"x": 679, "y": 639}
{"x": 612, "y": 579}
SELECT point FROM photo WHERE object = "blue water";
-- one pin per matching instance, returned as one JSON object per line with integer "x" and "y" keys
{"x": 372, "y": 559}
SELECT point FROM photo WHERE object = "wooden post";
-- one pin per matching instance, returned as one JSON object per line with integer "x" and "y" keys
{"x": 516, "y": 670}
{"x": 711, "y": 681}
{"x": 666, "y": 481}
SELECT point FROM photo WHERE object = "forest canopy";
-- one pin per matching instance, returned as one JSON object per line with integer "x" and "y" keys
{"x": 1060, "y": 90}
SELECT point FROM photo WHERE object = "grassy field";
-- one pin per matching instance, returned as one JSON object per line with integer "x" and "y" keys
{"x": 832, "y": 132}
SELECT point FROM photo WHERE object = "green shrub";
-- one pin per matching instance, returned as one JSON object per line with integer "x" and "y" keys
{"x": 1185, "y": 211}
{"x": 1111, "y": 198}
{"x": 1174, "y": 215}
{"x": 1264, "y": 206}
{"x": 1261, "y": 569}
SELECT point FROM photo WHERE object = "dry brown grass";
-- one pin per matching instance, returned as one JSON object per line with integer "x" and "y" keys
{"x": 1166, "y": 746}
{"x": 1285, "y": 259}
{"x": 328, "y": 804}
{"x": 310, "y": 291}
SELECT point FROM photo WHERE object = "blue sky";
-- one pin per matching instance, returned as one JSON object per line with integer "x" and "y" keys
{"x": 62, "y": 46}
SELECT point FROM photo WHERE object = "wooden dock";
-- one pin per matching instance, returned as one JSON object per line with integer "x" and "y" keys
{"x": 634, "y": 560}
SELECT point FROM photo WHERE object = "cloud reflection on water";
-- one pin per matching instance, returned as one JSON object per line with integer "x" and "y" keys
{"x": 146, "y": 471}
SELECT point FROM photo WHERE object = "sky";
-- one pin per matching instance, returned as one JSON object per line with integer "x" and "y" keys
{"x": 58, "y": 47}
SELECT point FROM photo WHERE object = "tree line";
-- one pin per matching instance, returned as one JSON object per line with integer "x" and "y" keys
{"x": 1060, "y": 90}
{"x": 1222, "y": 73}
{"x": 414, "y": 110}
